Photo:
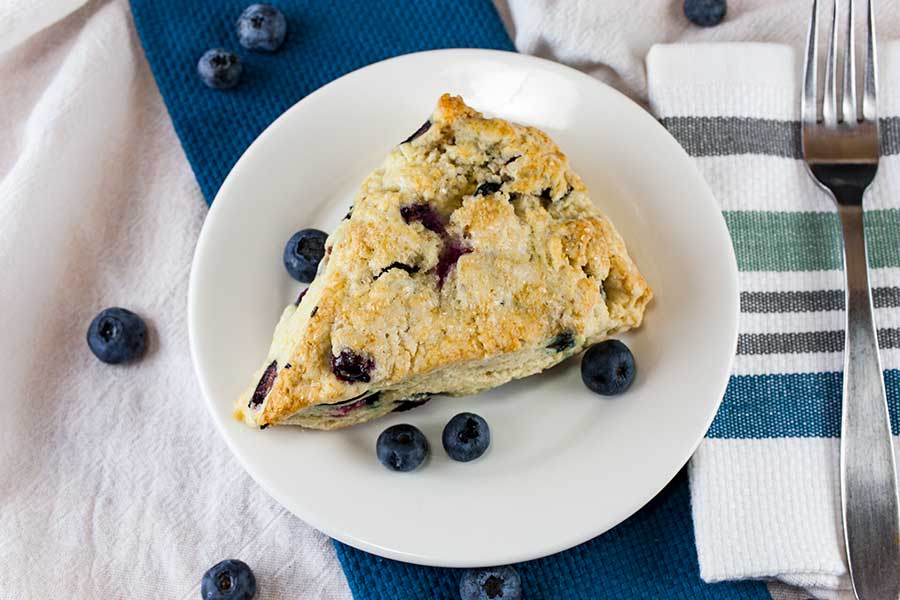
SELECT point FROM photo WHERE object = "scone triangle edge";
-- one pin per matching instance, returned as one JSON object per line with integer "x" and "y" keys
{"x": 472, "y": 256}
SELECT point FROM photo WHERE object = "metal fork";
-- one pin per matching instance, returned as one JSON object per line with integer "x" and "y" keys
{"x": 841, "y": 148}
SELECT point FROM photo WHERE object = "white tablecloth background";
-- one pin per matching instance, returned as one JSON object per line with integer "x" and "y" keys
{"x": 113, "y": 481}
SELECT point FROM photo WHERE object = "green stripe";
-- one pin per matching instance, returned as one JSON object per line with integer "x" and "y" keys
{"x": 807, "y": 241}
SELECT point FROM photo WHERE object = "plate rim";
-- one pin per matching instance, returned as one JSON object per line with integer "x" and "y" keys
{"x": 721, "y": 379}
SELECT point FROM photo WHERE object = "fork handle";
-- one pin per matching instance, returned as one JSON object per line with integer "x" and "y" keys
{"x": 868, "y": 477}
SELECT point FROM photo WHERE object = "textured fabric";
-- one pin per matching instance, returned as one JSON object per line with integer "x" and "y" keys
{"x": 720, "y": 136}
{"x": 214, "y": 141}
{"x": 651, "y": 555}
{"x": 325, "y": 40}
{"x": 765, "y": 482}
{"x": 114, "y": 483}
{"x": 112, "y": 480}
{"x": 610, "y": 39}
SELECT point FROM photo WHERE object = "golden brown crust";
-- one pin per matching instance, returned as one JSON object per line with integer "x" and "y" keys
{"x": 536, "y": 259}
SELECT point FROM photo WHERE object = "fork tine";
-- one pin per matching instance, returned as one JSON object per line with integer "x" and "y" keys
{"x": 870, "y": 84}
{"x": 829, "y": 104}
{"x": 848, "y": 96}
{"x": 808, "y": 105}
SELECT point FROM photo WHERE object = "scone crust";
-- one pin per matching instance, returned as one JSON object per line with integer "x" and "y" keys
{"x": 536, "y": 259}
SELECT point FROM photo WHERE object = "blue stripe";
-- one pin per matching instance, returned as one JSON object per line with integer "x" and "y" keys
{"x": 795, "y": 405}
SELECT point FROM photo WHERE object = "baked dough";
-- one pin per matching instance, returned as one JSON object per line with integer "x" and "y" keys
{"x": 472, "y": 256}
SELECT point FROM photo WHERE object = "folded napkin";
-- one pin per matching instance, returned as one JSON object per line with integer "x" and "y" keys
{"x": 764, "y": 482}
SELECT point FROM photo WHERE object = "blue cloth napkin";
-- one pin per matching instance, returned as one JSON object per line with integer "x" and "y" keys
{"x": 326, "y": 39}
{"x": 652, "y": 554}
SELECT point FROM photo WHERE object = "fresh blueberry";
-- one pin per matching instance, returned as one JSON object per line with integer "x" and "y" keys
{"x": 261, "y": 27}
{"x": 117, "y": 335}
{"x": 401, "y": 447}
{"x": 220, "y": 69}
{"x": 350, "y": 366}
{"x": 487, "y": 188}
{"x": 562, "y": 342}
{"x": 705, "y": 13}
{"x": 491, "y": 584}
{"x": 228, "y": 580}
{"x": 303, "y": 252}
{"x": 264, "y": 386}
{"x": 425, "y": 127}
{"x": 466, "y": 437}
{"x": 450, "y": 254}
{"x": 608, "y": 368}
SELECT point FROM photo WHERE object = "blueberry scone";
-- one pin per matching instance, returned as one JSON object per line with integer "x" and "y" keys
{"x": 472, "y": 256}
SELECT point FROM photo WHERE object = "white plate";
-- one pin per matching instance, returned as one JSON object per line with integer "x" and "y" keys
{"x": 565, "y": 465}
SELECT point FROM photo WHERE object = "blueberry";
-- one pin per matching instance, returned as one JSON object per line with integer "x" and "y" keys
{"x": 261, "y": 27}
{"x": 398, "y": 265}
{"x": 401, "y": 447}
{"x": 425, "y": 127}
{"x": 546, "y": 197}
{"x": 466, "y": 437}
{"x": 490, "y": 584}
{"x": 117, "y": 335}
{"x": 705, "y": 13}
{"x": 426, "y": 215}
{"x": 608, "y": 368}
{"x": 350, "y": 366}
{"x": 228, "y": 580}
{"x": 487, "y": 188}
{"x": 303, "y": 253}
{"x": 220, "y": 69}
{"x": 450, "y": 254}
{"x": 264, "y": 386}
{"x": 562, "y": 342}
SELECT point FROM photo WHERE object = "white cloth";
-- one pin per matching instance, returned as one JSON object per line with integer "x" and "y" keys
{"x": 770, "y": 508}
{"x": 113, "y": 482}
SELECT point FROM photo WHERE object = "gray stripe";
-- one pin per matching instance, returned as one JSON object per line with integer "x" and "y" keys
{"x": 786, "y": 302}
{"x": 806, "y": 342}
{"x": 886, "y": 297}
{"x": 889, "y": 338}
{"x": 890, "y": 135}
{"x": 723, "y": 136}
{"x": 820, "y": 300}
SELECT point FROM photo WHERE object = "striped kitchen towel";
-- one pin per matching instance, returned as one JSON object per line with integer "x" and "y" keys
{"x": 764, "y": 482}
